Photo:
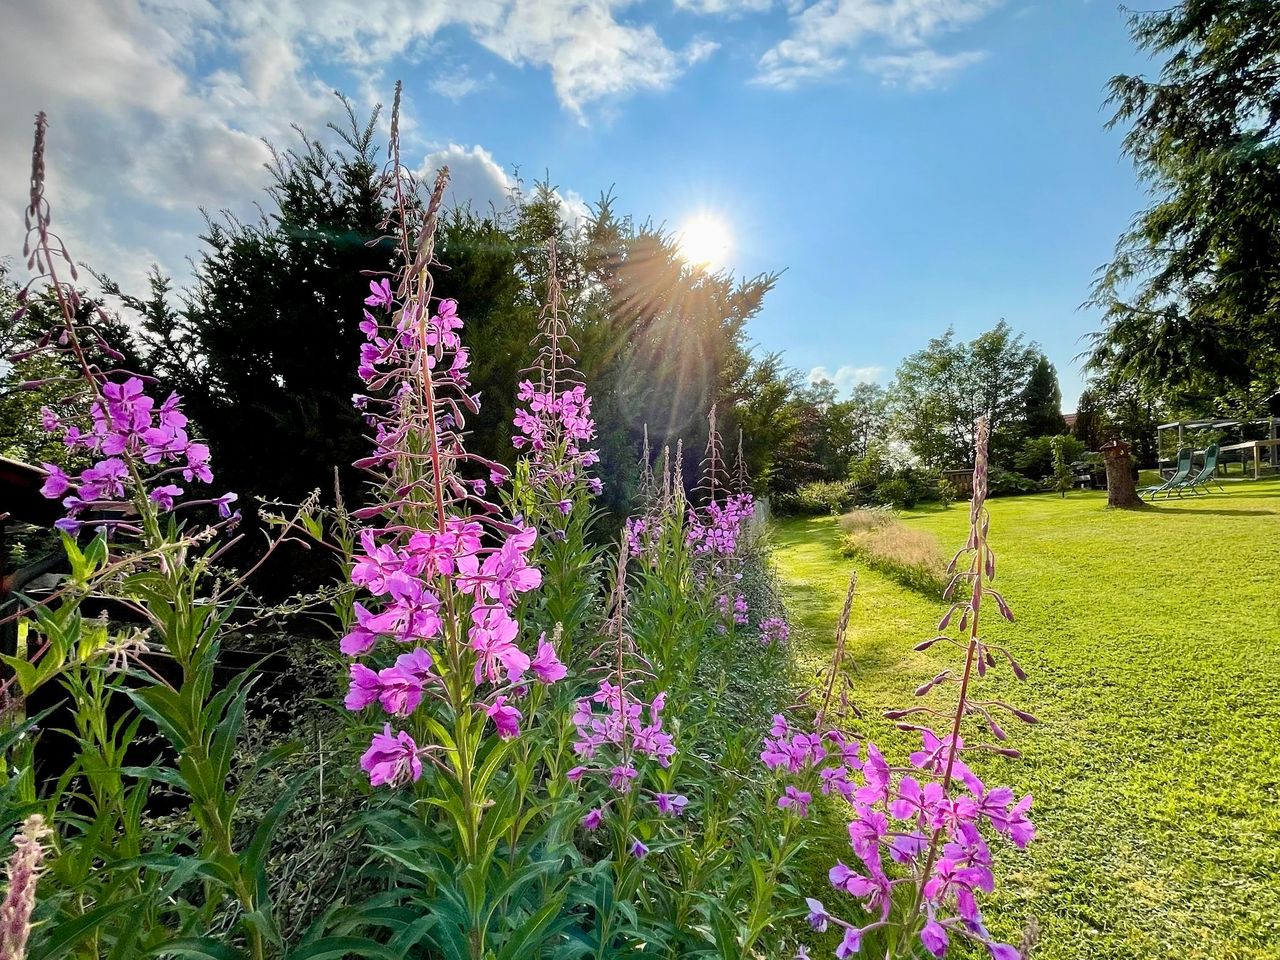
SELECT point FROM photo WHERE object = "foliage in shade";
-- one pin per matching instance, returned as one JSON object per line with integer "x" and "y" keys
{"x": 1192, "y": 296}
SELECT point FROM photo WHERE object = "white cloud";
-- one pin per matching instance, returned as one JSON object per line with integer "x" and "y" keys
{"x": 457, "y": 83}
{"x": 722, "y": 7}
{"x": 921, "y": 69}
{"x": 846, "y": 377}
{"x": 158, "y": 107}
{"x": 477, "y": 179}
{"x": 592, "y": 56}
{"x": 699, "y": 50}
{"x": 474, "y": 177}
{"x": 826, "y": 33}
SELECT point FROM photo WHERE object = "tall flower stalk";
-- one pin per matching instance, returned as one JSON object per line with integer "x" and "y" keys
{"x": 127, "y": 535}
{"x": 23, "y": 872}
{"x": 553, "y": 486}
{"x": 927, "y": 818}
{"x": 444, "y": 571}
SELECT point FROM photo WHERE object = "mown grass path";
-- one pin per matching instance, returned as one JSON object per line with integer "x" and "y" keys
{"x": 1153, "y": 643}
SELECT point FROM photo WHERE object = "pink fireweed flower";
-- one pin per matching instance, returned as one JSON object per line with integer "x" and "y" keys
{"x": 818, "y": 916}
{"x": 165, "y": 496}
{"x": 797, "y": 800}
{"x": 497, "y": 656}
{"x": 593, "y": 819}
{"x": 553, "y": 420}
{"x": 505, "y": 718}
{"x": 850, "y": 943}
{"x": 379, "y": 294}
{"x": 56, "y": 484}
{"x": 546, "y": 665}
{"x": 639, "y": 850}
{"x": 134, "y": 442}
{"x": 391, "y": 759}
{"x": 364, "y": 689}
{"x": 621, "y": 776}
{"x": 671, "y": 804}
{"x": 774, "y": 631}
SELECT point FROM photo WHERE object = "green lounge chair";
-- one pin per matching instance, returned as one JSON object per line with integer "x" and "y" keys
{"x": 1207, "y": 474}
{"x": 1174, "y": 483}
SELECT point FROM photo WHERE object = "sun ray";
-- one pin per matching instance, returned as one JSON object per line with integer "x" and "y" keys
{"x": 705, "y": 241}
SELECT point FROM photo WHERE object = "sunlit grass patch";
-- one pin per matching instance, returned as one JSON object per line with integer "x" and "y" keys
{"x": 1153, "y": 643}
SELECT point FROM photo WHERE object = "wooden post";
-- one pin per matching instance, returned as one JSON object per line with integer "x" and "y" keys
{"x": 1121, "y": 491}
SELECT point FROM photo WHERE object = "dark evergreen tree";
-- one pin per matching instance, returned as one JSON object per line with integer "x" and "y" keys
{"x": 1089, "y": 420}
{"x": 1042, "y": 398}
{"x": 1192, "y": 298}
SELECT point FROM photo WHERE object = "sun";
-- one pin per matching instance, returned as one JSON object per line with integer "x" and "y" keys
{"x": 705, "y": 241}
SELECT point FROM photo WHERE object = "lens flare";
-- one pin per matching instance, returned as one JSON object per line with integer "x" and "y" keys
{"x": 705, "y": 241}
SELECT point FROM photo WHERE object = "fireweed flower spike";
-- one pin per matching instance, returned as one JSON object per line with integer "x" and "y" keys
{"x": 919, "y": 834}
{"x": 20, "y": 899}
{"x": 443, "y": 571}
{"x": 553, "y": 419}
{"x": 139, "y": 446}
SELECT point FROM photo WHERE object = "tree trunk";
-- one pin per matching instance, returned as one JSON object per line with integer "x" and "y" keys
{"x": 1121, "y": 490}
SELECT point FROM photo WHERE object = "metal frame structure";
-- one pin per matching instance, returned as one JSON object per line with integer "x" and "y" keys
{"x": 1254, "y": 446}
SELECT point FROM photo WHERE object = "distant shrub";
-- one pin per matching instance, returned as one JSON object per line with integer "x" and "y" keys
{"x": 898, "y": 492}
{"x": 1006, "y": 483}
{"x": 909, "y": 486}
{"x": 886, "y": 544}
{"x": 1035, "y": 459}
{"x": 868, "y": 471}
{"x": 947, "y": 492}
{"x": 820, "y": 497}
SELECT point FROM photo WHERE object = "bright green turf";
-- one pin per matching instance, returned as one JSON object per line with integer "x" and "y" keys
{"x": 1153, "y": 643}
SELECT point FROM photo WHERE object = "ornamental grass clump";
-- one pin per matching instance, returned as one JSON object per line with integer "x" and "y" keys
{"x": 919, "y": 833}
{"x": 884, "y": 543}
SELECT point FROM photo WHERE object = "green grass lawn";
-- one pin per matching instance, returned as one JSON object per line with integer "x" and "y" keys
{"x": 1153, "y": 643}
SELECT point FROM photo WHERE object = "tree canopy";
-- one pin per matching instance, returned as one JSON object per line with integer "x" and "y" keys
{"x": 939, "y": 393}
{"x": 1191, "y": 299}
{"x": 265, "y": 342}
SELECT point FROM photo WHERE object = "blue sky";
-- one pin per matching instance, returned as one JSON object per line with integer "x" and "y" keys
{"x": 909, "y": 164}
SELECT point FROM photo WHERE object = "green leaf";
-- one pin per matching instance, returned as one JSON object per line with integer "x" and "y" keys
{"x": 205, "y": 947}
{"x": 339, "y": 948}
{"x": 69, "y": 933}
{"x": 254, "y": 854}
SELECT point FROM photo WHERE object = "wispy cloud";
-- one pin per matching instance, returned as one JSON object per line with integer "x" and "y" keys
{"x": 827, "y": 33}
{"x": 457, "y": 83}
{"x": 846, "y": 377}
{"x": 723, "y": 7}
{"x": 921, "y": 69}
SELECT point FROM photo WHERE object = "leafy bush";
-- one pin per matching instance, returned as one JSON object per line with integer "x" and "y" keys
{"x": 1006, "y": 483}
{"x": 886, "y": 544}
{"x": 909, "y": 486}
{"x": 819, "y": 497}
{"x": 1035, "y": 459}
